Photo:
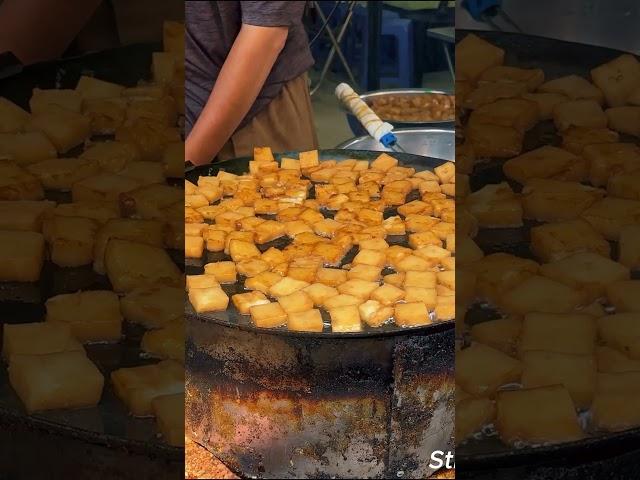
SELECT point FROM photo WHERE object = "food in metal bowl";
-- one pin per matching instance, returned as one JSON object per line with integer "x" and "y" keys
{"x": 427, "y": 107}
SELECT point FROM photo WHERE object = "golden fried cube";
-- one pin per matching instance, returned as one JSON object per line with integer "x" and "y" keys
{"x": 43, "y": 100}
{"x": 150, "y": 201}
{"x": 615, "y": 411}
{"x": 212, "y": 299}
{"x": 262, "y": 282}
{"x": 319, "y": 293}
{"x": 517, "y": 113}
{"x": 494, "y": 141}
{"x": 12, "y": 117}
{"x": 345, "y": 319}
{"x": 77, "y": 380}
{"x": 137, "y": 387}
{"x": 70, "y": 239}
{"x": 331, "y": 276}
{"x": 169, "y": 413}
{"x": 37, "y": 338}
{"x": 586, "y": 271}
{"x": 358, "y": 288}
{"x": 611, "y": 360}
{"x": 193, "y": 246}
{"x": 25, "y": 148}
{"x": 241, "y": 250}
{"x": 624, "y": 119}
{"x": 65, "y": 129}
{"x": 421, "y": 294}
{"x": 537, "y": 415}
{"x": 422, "y": 279}
{"x": 495, "y": 206}
{"x": 574, "y": 87}
{"x": 487, "y": 93}
{"x": 544, "y": 162}
{"x": 411, "y": 314}
{"x": 269, "y": 230}
{"x": 480, "y": 369}
{"x": 251, "y": 268}
{"x": 561, "y": 333}
{"x": 475, "y": 55}
{"x": 501, "y": 334}
{"x": 244, "y": 301}
{"x": 554, "y": 200}
{"x": 103, "y": 187}
{"x": 531, "y": 77}
{"x": 555, "y": 241}
{"x": 268, "y": 315}
{"x": 374, "y": 314}
{"x": 471, "y": 415}
{"x": 617, "y": 78}
{"x": 621, "y": 331}
{"x": 331, "y": 254}
{"x": 62, "y": 173}
{"x": 18, "y": 184}
{"x": 224, "y": 272}
{"x": 625, "y": 185}
{"x": 286, "y": 286}
{"x": 579, "y": 113}
{"x": 342, "y": 300}
{"x": 608, "y": 159}
{"x": 368, "y": 273}
{"x": 387, "y": 294}
{"x": 92, "y": 316}
{"x": 167, "y": 342}
{"x": 384, "y": 162}
{"x": 541, "y": 294}
{"x": 308, "y": 159}
{"x": 201, "y": 281}
{"x": 577, "y": 373}
{"x": 610, "y": 215}
{"x": 375, "y": 258}
{"x": 305, "y": 321}
{"x": 158, "y": 306}
{"x": 111, "y": 156}
{"x": 297, "y": 301}
{"x": 130, "y": 265}
{"x": 574, "y": 139}
{"x": 91, "y": 88}
{"x": 21, "y": 256}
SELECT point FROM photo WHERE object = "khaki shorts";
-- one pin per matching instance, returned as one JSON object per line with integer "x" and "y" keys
{"x": 285, "y": 125}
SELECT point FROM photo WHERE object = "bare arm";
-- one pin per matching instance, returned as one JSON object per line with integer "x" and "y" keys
{"x": 243, "y": 74}
{"x": 36, "y": 30}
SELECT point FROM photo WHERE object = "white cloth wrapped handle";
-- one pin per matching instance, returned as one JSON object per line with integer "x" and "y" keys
{"x": 370, "y": 121}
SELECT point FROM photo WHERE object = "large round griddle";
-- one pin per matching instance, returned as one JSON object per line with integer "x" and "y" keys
{"x": 593, "y": 457}
{"x": 104, "y": 441}
{"x": 231, "y": 317}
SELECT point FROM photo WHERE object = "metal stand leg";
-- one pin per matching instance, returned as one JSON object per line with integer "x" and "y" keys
{"x": 335, "y": 49}
{"x": 448, "y": 57}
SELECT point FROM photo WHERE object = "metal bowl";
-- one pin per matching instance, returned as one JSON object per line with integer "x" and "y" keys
{"x": 358, "y": 129}
{"x": 428, "y": 142}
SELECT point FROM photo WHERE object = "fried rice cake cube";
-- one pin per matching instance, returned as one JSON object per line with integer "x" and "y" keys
{"x": 345, "y": 319}
{"x": 71, "y": 240}
{"x": 574, "y": 87}
{"x": 13, "y": 118}
{"x": 137, "y": 387}
{"x": 17, "y": 183}
{"x": 622, "y": 332}
{"x": 475, "y": 55}
{"x": 65, "y": 129}
{"x": 551, "y": 200}
{"x": 555, "y": 241}
{"x": 579, "y": 113}
{"x": 472, "y": 414}
{"x": 577, "y": 373}
{"x": 545, "y": 162}
{"x": 488, "y": 93}
{"x": 624, "y": 119}
{"x": 92, "y": 315}
{"x": 481, "y": 369}
{"x": 167, "y": 342}
{"x": 268, "y": 315}
{"x": 501, "y": 334}
{"x": 608, "y": 159}
{"x": 78, "y": 382}
{"x": 209, "y": 299}
{"x": 28, "y": 147}
{"x": 305, "y": 321}
{"x": 531, "y": 77}
{"x": 625, "y": 185}
{"x": 629, "y": 246}
{"x": 617, "y": 78}
{"x": 495, "y": 206}
{"x": 37, "y": 338}
{"x": 130, "y": 265}
{"x": 570, "y": 333}
{"x": 541, "y": 294}
{"x": 609, "y": 215}
{"x": 611, "y": 360}
{"x": 103, "y": 187}
{"x": 111, "y": 156}
{"x": 22, "y": 256}
{"x": 24, "y": 215}
{"x": 537, "y": 415}
{"x": 494, "y": 141}
{"x": 586, "y": 271}
{"x": 574, "y": 139}
{"x": 517, "y": 113}
{"x": 158, "y": 306}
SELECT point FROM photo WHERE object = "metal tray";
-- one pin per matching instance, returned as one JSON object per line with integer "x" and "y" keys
{"x": 358, "y": 129}
{"x": 430, "y": 142}
{"x": 606, "y": 453}
{"x": 103, "y": 441}
{"x": 231, "y": 316}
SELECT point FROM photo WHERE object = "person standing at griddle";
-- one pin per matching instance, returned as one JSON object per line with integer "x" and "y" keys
{"x": 246, "y": 82}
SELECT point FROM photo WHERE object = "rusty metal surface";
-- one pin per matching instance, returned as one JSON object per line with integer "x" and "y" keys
{"x": 276, "y": 406}
{"x": 594, "y": 457}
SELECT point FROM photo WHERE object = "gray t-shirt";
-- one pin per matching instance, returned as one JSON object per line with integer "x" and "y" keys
{"x": 211, "y": 29}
